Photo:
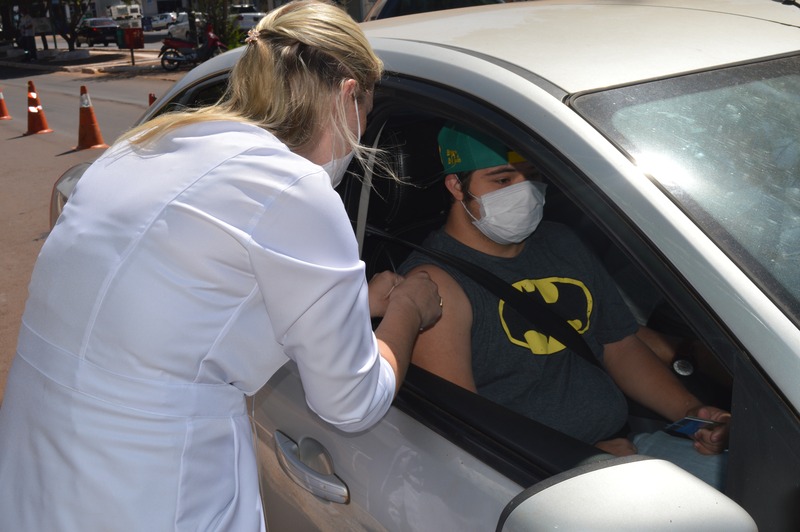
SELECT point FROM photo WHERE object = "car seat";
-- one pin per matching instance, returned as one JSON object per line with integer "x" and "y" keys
{"x": 410, "y": 206}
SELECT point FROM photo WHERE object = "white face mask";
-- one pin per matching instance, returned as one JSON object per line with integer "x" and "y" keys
{"x": 509, "y": 215}
{"x": 336, "y": 168}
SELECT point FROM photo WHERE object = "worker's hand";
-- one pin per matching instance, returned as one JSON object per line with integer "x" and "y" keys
{"x": 380, "y": 286}
{"x": 418, "y": 289}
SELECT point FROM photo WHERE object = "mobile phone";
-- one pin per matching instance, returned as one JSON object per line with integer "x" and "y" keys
{"x": 687, "y": 426}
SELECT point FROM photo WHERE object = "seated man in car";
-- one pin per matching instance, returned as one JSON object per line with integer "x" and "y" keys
{"x": 495, "y": 222}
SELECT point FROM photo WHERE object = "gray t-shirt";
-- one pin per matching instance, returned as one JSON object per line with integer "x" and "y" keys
{"x": 520, "y": 368}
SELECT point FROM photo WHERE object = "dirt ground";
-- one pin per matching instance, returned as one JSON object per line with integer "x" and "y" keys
{"x": 23, "y": 229}
{"x": 28, "y": 168}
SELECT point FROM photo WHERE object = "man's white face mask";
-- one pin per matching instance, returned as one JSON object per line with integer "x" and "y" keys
{"x": 336, "y": 168}
{"x": 511, "y": 214}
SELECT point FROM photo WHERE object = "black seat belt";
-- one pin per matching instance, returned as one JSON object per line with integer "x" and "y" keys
{"x": 529, "y": 305}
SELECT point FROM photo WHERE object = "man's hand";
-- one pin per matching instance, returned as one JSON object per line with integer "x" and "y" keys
{"x": 711, "y": 440}
{"x": 617, "y": 447}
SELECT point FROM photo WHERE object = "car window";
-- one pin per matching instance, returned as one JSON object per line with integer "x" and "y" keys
{"x": 199, "y": 95}
{"x": 725, "y": 145}
{"x": 416, "y": 204}
{"x": 243, "y": 9}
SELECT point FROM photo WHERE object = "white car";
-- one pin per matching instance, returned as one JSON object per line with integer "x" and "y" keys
{"x": 244, "y": 16}
{"x": 181, "y": 29}
{"x": 163, "y": 20}
{"x": 669, "y": 134}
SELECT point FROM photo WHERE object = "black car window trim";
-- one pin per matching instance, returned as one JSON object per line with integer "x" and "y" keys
{"x": 518, "y": 447}
{"x": 188, "y": 98}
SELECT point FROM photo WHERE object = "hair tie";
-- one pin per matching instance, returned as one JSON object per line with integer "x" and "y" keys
{"x": 252, "y": 36}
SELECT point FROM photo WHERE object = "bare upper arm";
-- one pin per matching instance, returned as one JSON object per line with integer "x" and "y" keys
{"x": 446, "y": 348}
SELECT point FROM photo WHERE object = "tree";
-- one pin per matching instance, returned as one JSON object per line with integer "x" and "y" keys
{"x": 65, "y": 16}
{"x": 217, "y": 12}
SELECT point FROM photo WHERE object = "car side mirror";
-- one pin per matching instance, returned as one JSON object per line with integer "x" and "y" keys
{"x": 630, "y": 493}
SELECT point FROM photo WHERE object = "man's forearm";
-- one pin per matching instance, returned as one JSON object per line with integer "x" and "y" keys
{"x": 643, "y": 377}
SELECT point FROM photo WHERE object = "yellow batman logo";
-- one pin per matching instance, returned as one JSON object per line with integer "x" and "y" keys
{"x": 453, "y": 158}
{"x": 569, "y": 298}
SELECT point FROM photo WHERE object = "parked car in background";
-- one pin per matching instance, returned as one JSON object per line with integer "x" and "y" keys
{"x": 244, "y": 16}
{"x": 679, "y": 165}
{"x": 181, "y": 30}
{"x": 163, "y": 20}
{"x": 93, "y": 31}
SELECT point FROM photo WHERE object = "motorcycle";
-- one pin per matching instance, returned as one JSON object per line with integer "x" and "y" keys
{"x": 176, "y": 52}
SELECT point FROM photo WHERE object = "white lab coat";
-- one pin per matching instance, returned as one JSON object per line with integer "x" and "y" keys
{"x": 177, "y": 281}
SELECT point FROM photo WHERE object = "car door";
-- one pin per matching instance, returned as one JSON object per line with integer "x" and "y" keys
{"x": 399, "y": 475}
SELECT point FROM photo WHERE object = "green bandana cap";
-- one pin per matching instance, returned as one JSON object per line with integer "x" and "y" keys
{"x": 463, "y": 149}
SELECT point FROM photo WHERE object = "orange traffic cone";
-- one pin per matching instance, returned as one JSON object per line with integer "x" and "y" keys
{"x": 3, "y": 109}
{"x": 37, "y": 123}
{"x": 88, "y": 130}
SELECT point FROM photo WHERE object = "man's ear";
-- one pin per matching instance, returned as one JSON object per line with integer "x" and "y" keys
{"x": 453, "y": 185}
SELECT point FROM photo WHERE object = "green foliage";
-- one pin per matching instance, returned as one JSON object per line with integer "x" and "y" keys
{"x": 66, "y": 16}
{"x": 234, "y": 37}
{"x": 217, "y": 12}
{"x": 219, "y": 15}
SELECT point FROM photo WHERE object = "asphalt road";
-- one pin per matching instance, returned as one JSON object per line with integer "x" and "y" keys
{"x": 29, "y": 165}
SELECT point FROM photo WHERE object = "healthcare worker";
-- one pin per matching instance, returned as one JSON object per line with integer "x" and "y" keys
{"x": 199, "y": 254}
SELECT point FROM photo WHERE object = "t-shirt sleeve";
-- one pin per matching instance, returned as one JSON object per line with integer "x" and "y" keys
{"x": 613, "y": 319}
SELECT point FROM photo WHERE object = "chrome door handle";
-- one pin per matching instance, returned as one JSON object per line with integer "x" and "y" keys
{"x": 294, "y": 459}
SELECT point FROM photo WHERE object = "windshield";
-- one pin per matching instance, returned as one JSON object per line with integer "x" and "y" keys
{"x": 725, "y": 145}
{"x": 243, "y": 9}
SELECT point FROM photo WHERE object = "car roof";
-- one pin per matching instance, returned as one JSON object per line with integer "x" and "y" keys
{"x": 565, "y": 43}
{"x": 582, "y": 45}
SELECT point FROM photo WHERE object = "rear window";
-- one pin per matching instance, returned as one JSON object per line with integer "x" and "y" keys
{"x": 243, "y": 9}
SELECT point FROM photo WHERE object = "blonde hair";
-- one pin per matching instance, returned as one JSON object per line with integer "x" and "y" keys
{"x": 288, "y": 76}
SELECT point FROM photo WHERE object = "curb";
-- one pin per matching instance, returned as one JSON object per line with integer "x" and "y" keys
{"x": 105, "y": 69}
{"x": 142, "y": 65}
{"x": 84, "y": 69}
